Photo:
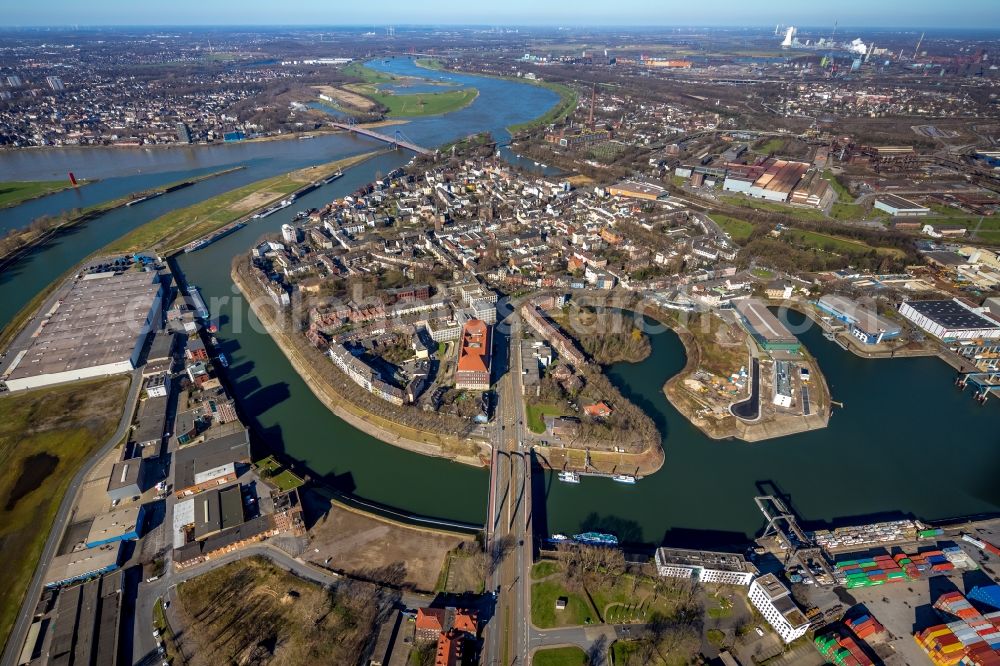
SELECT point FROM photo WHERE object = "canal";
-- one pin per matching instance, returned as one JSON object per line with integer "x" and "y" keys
{"x": 906, "y": 441}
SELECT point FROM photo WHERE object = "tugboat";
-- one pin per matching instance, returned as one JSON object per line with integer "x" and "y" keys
{"x": 569, "y": 477}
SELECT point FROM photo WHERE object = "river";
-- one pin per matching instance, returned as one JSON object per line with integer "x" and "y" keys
{"x": 876, "y": 458}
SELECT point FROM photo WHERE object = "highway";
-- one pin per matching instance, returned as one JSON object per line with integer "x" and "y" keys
{"x": 20, "y": 630}
{"x": 507, "y": 635}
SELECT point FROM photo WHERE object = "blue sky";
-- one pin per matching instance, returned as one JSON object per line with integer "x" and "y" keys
{"x": 861, "y": 13}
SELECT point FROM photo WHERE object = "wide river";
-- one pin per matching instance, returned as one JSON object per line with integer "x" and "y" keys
{"x": 905, "y": 443}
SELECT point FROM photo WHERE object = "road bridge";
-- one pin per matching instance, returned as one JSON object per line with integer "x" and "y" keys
{"x": 397, "y": 140}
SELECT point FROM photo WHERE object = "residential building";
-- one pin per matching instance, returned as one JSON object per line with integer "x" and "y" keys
{"x": 704, "y": 566}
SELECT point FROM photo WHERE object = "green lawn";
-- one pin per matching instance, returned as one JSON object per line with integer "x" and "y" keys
{"x": 13, "y": 192}
{"x": 618, "y": 603}
{"x": 848, "y": 212}
{"x": 543, "y": 606}
{"x": 842, "y": 193}
{"x": 545, "y": 568}
{"x": 357, "y": 69}
{"x": 810, "y": 214}
{"x": 173, "y": 230}
{"x": 715, "y": 637}
{"x": 537, "y": 411}
{"x": 424, "y": 104}
{"x": 835, "y": 243}
{"x": 45, "y": 436}
{"x": 739, "y": 230}
{"x": 276, "y": 474}
{"x": 772, "y": 146}
{"x": 763, "y": 273}
{"x": 621, "y": 651}
{"x": 564, "y": 656}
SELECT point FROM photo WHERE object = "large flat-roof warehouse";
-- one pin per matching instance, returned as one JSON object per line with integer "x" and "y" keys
{"x": 764, "y": 327}
{"x": 950, "y": 320}
{"x": 97, "y": 329}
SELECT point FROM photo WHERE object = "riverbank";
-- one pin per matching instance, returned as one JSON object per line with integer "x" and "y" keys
{"x": 568, "y": 98}
{"x": 36, "y": 238}
{"x": 16, "y": 192}
{"x": 171, "y": 232}
{"x": 305, "y": 359}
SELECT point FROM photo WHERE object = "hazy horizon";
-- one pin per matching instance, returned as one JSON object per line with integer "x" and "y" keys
{"x": 894, "y": 14}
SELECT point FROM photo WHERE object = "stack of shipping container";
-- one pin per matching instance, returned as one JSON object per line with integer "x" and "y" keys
{"x": 841, "y": 650}
{"x": 972, "y": 639}
{"x": 865, "y": 627}
{"x": 870, "y": 571}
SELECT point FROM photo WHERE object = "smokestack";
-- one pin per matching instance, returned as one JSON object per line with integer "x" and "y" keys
{"x": 788, "y": 37}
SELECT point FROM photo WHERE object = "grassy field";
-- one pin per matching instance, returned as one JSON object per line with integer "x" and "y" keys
{"x": 771, "y": 146}
{"x": 739, "y": 230}
{"x": 543, "y": 606}
{"x": 836, "y": 243}
{"x": 810, "y": 214}
{"x": 425, "y": 104}
{"x": 358, "y": 70}
{"x": 45, "y": 436}
{"x": 848, "y": 212}
{"x": 175, "y": 229}
{"x": 842, "y": 194}
{"x": 544, "y": 569}
{"x": 253, "y": 607}
{"x": 537, "y": 413}
{"x": 14, "y": 192}
{"x": 563, "y": 656}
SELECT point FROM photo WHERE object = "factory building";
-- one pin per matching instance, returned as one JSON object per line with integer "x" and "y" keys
{"x": 864, "y": 324}
{"x": 899, "y": 207}
{"x": 774, "y": 601}
{"x": 209, "y": 464}
{"x": 704, "y": 567}
{"x": 126, "y": 479}
{"x": 83, "y": 564}
{"x": 81, "y": 626}
{"x": 769, "y": 333}
{"x": 124, "y": 524}
{"x": 778, "y": 180}
{"x": 632, "y": 189}
{"x": 475, "y": 350}
{"x": 950, "y": 320}
{"x": 97, "y": 329}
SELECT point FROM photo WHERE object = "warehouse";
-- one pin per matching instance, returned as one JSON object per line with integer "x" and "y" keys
{"x": 950, "y": 320}
{"x": 216, "y": 510}
{"x": 864, "y": 324}
{"x": 124, "y": 524}
{"x": 98, "y": 329}
{"x": 778, "y": 180}
{"x": 769, "y": 333}
{"x": 126, "y": 479}
{"x": 81, "y": 627}
{"x": 82, "y": 564}
{"x": 704, "y": 566}
{"x": 636, "y": 190}
{"x": 899, "y": 207}
{"x": 209, "y": 464}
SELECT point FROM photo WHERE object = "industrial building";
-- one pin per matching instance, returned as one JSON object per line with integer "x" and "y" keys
{"x": 97, "y": 329}
{"x": 126, "y": 479}
{"x": 216, "y": 510}
{"x": 635, "y": 190}
{"x": 123, "y": 524}
{"x": 864, "y": 324}
{"x": 474, "y": 355}
{"x": 780, "y": 177}
{"x": 83, "y": 564}
{"x": 81, "y": 627}
{"x": 704, "y": 566}
{"x": 210, "y": 464}
{"x": 950, "y": 320}
{"x": 774, "y": 601}
{"x": 769, "y": 333}
{"x": 899, "y": 207}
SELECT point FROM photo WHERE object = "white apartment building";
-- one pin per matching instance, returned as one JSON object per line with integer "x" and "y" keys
{"x": 774, "y": 601}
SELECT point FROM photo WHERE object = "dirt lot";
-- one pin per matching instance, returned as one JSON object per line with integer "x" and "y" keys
{"x": 356, "y": 543}
{"x": 347, "y": 97}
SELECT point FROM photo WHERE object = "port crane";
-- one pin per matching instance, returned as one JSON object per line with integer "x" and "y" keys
{"x": 783, "y": 526}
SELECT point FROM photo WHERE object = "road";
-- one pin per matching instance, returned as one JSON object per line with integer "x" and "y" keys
{"x": 20, "y": 630}
{"x": 507, "y": 636}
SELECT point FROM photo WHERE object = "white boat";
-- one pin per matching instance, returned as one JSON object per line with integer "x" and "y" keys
{"x": 556, "y": 538}
{"x": 544, "y": 166}
{"x": 536, "y": 163}
{"x": 623, "y": 478}
{"x": 214, "y": 340}
{"x": 569, "y": 477}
